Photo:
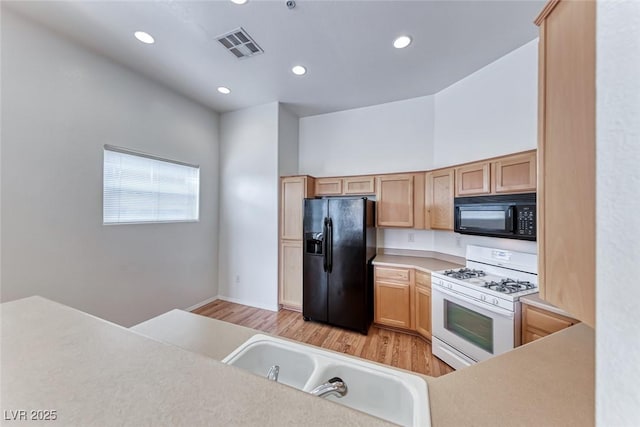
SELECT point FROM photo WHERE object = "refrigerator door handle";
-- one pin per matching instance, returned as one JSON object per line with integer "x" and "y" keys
{"x": 325, "y": 236}
{"x": 329, "y": 240}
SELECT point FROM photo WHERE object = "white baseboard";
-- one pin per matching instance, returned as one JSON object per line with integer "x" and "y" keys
{"x": 202, "y": 303}
{"x": 249, "y": 303}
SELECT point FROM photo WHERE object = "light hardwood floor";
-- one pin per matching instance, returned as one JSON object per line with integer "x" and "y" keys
{"x": 380, "y": 345}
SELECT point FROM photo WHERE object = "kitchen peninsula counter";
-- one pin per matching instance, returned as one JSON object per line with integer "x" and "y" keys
{"x": 97, "y": 373}
{"x": 549, "y": 382}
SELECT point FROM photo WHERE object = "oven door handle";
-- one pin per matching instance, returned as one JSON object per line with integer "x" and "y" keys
{"x": 497, "y": 310}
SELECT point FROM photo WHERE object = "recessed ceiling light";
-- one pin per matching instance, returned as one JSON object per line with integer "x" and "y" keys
{"x": 224, "y": 90}
{"x": 239, "y": 1}
{"x": 299, "y": 70}
{"x": 144, "y": 37}
{"x": 402, "y": 42}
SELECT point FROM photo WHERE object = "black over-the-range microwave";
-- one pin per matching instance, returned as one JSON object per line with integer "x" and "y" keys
{"x": 512, "y": 216}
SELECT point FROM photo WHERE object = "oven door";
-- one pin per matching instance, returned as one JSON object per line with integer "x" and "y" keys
{"x": 485, "y": 219}
{"x": 477, "y": 330}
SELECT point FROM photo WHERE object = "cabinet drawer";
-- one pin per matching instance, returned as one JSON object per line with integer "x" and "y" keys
{"x": 423, "y": 279}
{"x": 396, "y": 274}
{"x": 545, "y": 321}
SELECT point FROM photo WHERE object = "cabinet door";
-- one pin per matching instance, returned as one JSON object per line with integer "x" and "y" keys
{"x": 423, "y": 279}
{"x": 472, "y": 180}
{"x": 328, "y": 186}
{"x": 566, "y": 153}
{"x": 538, "y": 323}
{"x": 392, "y": 304}
{"x": 439, "y": 197}
{"x": 394, "y": 200}
{"x": 358, "y": 185}
{"x": 291, "y": 274}
{"x": 293, "y": 192}
{"x": 423, "y": 310}
{"x": 515, "y": 174}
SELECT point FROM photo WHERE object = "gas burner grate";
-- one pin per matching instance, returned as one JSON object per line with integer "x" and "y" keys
{"x": 464, "y": 273}
{"x": 509, "y": 286}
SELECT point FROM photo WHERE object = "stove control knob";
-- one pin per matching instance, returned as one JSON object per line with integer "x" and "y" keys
{"x": 495, "y": 301}
{"x": 449, "y": 285}
{"x": 483, "y": 297}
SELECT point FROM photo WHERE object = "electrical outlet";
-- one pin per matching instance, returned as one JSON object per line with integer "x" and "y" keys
{"x": 412, "y": 237}
{"x": 458, "y": 241}
{"x": 237, "y": 279}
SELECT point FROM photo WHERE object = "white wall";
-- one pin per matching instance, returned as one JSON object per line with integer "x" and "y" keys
{"x": 249, "y": 206}
{"x": 288, "y": 135}
{"x": 60, "y": 104}
{"x": 617, "y": 207}
{"x": 490, "y": 112}
{"x": 384, "y": 138}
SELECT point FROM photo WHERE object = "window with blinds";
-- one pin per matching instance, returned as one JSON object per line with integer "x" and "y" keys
{"x": 143, "y": 188}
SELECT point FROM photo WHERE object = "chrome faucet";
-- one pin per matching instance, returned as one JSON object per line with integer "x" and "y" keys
{"x": 335, "y": 386}
{"x": 273, "y": 373}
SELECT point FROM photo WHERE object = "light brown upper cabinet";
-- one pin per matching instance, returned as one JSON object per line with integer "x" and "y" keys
{"x": 359, "y": 185}
{"x": 473, "y": 179}
{"x": 566, "y": 156}
{"x": 514, "y": 174}
{"x": 395, "y": 200}
{"x": 352, "y": 185}
{"x": 292, "y": 193}
{"x": 328, "y": 186}
{"x": 439, "y": 194}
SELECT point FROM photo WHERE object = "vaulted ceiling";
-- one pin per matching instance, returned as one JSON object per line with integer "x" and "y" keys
{"x": 346, "y": 46}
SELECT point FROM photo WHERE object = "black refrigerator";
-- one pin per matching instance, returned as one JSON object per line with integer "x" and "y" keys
{"x": 339, "y": 245}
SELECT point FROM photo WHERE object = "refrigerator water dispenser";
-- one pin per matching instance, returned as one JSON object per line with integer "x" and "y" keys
{"x": 313, "y": 243}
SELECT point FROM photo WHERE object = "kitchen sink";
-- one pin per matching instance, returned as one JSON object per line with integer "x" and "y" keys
{"x": 259, "y": 355}
{"x": 386, "y": 393}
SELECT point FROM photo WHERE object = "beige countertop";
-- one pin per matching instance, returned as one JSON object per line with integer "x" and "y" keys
{"x": 425, "y": 264}
{"x": 536, "y": 301}
{"x": 549, "y": 382}
{"x": 95, "y": 373}
{"x": 210, "y": 337}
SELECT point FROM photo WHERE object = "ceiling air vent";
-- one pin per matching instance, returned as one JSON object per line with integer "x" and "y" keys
{"x": 240, "y": 43}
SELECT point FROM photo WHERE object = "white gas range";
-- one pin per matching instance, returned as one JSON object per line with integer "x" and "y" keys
{"x": 476, "y": 310}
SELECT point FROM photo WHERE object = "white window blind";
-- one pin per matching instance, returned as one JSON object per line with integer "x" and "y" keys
{"x": 143, "y": 188}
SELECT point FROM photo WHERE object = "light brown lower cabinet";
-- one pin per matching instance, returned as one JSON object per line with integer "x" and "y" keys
{"x": 422, "y": 303}
{"x": 392, "y": 304}
{"x": 538, "y": 323}
{"x": 403, "y": 299}
{"x": 423, "y": 311}
{"x": 291, "y": 274}
{"x": 393, "y": 296}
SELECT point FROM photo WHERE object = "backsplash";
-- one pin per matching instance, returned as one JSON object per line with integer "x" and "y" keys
{"x": 446, "y": 242}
